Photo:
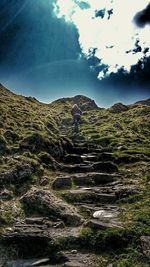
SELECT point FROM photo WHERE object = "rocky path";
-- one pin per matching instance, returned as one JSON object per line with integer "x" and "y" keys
{"x": 84, "y": 195}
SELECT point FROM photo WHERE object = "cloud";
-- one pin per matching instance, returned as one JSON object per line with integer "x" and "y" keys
{"x": 142, "y": 18}
{"x": 82, "y": 4}
{"x": 137, "y": 77}
{"x": 108, "y": 26}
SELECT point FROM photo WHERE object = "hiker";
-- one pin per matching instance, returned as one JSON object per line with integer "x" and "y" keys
{"x": 76, "y": 113}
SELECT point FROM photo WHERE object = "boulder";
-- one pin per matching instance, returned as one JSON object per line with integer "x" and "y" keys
{"x": 48, "y": 204}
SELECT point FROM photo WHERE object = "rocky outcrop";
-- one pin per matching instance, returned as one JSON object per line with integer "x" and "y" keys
{"x": 118, "y": 107}
{"x": 17, "y": 175}
{"x": 84, "y": 102}
{"x": 48, "y": 204}
{"x": 143, "y": 102}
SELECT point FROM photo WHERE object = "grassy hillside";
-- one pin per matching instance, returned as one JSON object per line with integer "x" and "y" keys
{"x": 34, "y": 138}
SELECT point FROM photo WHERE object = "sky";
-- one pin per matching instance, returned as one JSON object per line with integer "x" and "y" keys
{"x": 51, "y": 49}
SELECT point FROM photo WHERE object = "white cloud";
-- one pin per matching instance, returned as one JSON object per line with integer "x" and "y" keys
{"x": 119, "y": 32}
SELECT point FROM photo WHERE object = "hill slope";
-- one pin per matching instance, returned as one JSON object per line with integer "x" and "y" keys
{"x": 85, "y": 193}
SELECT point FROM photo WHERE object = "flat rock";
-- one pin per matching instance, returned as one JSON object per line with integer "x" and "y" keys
{"x": 101, "y": 225}
{"x": 46, "y": 203}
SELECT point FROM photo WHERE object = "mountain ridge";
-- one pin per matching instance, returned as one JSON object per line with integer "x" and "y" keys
{"x": 81, "y": 100}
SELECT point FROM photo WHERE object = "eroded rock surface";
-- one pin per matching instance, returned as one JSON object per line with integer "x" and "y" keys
{"x": 45, "y": 202}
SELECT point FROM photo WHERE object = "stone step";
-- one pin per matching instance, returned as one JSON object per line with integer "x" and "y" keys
{"x": 86, "y": 195}
{"x": 104, "y": 156}
{"x": 87, "y": 149}
{"x": 107, "y": 167}
{"x": 30, "y": 235}
{"x": 32, "y": 243}
{"x": 84, "y": 179}
{"x": 88, "y": 158}
{"x": 73, "y": 158}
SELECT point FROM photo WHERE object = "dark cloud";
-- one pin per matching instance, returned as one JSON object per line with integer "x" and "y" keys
{"x": 143, "y": 17}
{"x": 137, "y": 48}
{"x": 137, "y": 77}
{"x": 110, "y": 13}
{"x": 100, "y": 13}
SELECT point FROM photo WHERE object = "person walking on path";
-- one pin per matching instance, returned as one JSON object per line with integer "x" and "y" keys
{"x": 76, "y": 115}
